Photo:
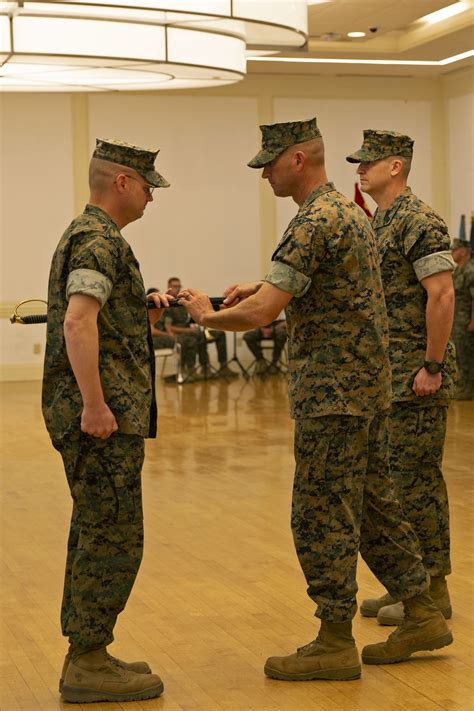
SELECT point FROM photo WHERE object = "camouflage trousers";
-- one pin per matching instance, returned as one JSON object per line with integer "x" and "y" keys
{"x": 417, "y": 437}
{"x": 195, "y": 342}
{"x": 163, "y": 342}
{"x": 464, "y": 343}
{"x": 343, "y": 504}
{"x": 105, "y": 543}
{"x": 253, "y": 340}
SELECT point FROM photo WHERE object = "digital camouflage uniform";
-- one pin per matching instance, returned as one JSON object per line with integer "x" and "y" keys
{"x": 195, "y": 341}
{"x": 106, "y": 535}
{"x": 253, "y": 340}
{"x": 413, "y": 244}
{"x": 463, "y": 279}
{"x": 339, "y": 388}
{"x": 162, "y": 341}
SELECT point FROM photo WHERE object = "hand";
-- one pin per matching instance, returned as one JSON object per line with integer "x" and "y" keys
{"x": 237, "y": 292}
{"x": 98, "y": 421}
{"x": 196, "y": 303}
{"x": 426, "y": 384}
{"x": 160, "y": 301}
{"x": 267, "y": 332}
{"x": 470, "y": 327}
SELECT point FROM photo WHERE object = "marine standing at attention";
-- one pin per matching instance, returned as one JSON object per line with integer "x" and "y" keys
{"x": 99, "y": 405}
{"x": 416, "y": 265}
{"x": 463, "y": 324}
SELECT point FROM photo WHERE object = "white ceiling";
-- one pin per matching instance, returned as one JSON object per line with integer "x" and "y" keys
{"x": 397, "y": 34}
{"x": 342, "y": 16}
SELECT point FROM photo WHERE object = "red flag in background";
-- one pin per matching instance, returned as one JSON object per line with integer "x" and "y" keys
{"x": 359, "y": 200}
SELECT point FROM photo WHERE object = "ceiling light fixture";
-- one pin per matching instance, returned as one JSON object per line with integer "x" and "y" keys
{"x": 111, "y": 45}
{"x": 394, "y": 62}
{"x": 356, "y": 34}
{"x": 445, "y": 12}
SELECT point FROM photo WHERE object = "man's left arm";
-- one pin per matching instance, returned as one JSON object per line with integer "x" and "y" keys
{"x": 439, "y": 321}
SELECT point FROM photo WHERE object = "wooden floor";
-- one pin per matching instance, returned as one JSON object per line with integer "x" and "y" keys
{"x": 220, "y": 588}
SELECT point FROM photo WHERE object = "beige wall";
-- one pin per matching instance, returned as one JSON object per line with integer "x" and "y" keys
{"x": 219, "y": 221}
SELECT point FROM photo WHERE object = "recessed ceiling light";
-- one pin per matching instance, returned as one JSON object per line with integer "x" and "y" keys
{"x": 356, "y": 34}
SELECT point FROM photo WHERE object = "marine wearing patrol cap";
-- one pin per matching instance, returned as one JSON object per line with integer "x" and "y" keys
{"x": 382, "y": 144}
{"x": 460, "y": 244}
{"x": 140, "y": 159}
{"x": 277, "y": 137}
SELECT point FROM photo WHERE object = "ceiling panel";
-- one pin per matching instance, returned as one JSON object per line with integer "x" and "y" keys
{"x": 342, "y": 16}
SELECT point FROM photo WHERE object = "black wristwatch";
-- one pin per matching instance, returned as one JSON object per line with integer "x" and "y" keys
{"x": 432, "y": 366}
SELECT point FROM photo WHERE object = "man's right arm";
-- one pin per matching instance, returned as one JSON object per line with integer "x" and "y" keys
{"x": 82, "y": 343}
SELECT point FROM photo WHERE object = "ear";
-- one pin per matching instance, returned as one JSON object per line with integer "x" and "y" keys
{"x": 121, "y": 182}
{"x": 396, "y": 167}
{"x": 300, "y": 159}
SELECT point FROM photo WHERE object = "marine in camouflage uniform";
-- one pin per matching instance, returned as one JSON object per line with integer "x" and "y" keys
{"x": 193, "y": 342}
{"x": 413, "y": 244}
{"x": 463, "y": 324}
{"x": 275, "y": 331}
{"x": 160, "y": 340}
{"x": 103, "y": 469}
{"x": 325, "y": 273}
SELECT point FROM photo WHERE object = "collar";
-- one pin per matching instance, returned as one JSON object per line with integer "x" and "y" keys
{"x": 101, "y": 214}
{"x": 384, "y": 217}
{"x": 325, "y": 188}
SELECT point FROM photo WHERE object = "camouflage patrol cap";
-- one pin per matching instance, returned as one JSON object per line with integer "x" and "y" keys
{"x": 460, "y": 244}
{"x": 277, "y": 137}
{"x": 140, "y": 159}
{"x": 382, "y": 144}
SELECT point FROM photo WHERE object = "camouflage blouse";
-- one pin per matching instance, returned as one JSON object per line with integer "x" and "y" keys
{"x": 413, "y": 243}
{"x": 463, "y": 279}
{"x": 337, "y": 322}
{"x": 93, "y": 258}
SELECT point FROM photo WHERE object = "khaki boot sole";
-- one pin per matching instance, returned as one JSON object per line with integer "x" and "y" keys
{"x": 337, "y": 674}
{"x": 75, "y": 695}
{"x": 394, "y": 620}
{"x": 372, "y": 610}
{"x": 436, "y": 643}
{"x": 368, "y": 611}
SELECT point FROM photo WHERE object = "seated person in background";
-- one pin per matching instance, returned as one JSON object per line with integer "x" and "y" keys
{"x": 161, "y": 338}
{"x": 276, "y": 331}
{"x": 194, "y": 340}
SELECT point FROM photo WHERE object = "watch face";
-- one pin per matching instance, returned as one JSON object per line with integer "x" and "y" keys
{"x": 433, "y": 368}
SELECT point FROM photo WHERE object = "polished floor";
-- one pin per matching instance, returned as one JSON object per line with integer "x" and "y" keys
{"x": 220, "y": 588}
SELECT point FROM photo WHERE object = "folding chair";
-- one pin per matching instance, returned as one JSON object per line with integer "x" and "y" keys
{"x": 164, "y": 354}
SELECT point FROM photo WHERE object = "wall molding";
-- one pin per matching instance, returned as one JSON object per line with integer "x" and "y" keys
{"x": 15, "y": 372}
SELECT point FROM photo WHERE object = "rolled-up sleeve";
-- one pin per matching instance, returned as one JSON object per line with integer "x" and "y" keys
{"x": 90, "y": 283}
{"x": 288, "y": 279}
{"x": 433, "y": 264}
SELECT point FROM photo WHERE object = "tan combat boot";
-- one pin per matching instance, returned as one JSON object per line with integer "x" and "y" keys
{"x": 372, "y": 605}
{"x": 332, "y": 655}
{"x": 394, "y": 614}
{"x": 424, "y": 628}
{"x": 96, "y": 676}
{"x": 137, "y": 667}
